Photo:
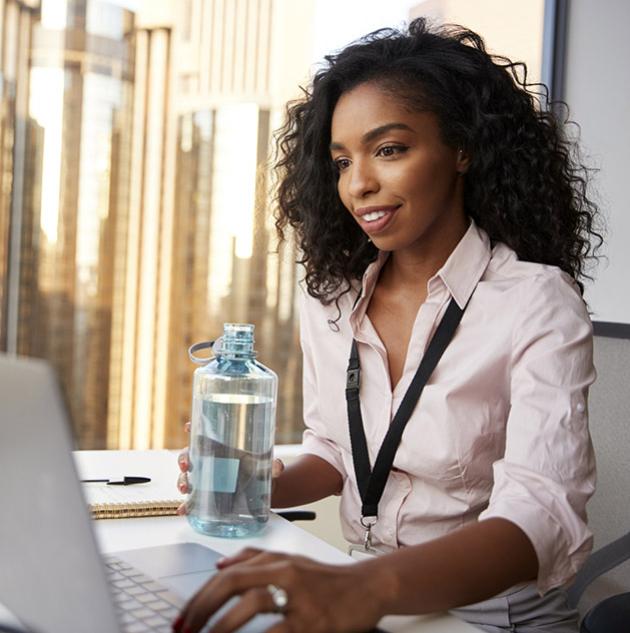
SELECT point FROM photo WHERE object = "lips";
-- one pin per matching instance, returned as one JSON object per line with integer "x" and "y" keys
{"x": 375, "y": 219}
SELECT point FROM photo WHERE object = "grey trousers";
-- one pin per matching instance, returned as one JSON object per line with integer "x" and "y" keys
{"x": 521, "y": 610}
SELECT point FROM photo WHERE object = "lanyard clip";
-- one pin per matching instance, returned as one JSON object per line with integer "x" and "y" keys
{"x": 368, "y": 523}
{"x": 367, "y": 539}
{"x": 352, "y": 379}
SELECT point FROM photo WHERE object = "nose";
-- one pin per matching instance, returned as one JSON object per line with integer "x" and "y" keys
{"x": 362, "y": 180}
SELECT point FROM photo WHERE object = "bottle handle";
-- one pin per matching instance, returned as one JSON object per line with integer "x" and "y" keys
{"x": 215, "y": 346}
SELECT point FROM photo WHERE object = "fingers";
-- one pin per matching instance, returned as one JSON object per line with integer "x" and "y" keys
{"x": 183, "y": 460}
{"x": 281, "y": 627}
{"x": 254, "y": 601}
{"x": 277, "y": 467}
{"x": 183, "y": 484}
{"x": 240, "y": 557}
{"x": 217, "y": 591}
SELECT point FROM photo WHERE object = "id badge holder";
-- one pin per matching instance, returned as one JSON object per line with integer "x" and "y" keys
{"x": 358, "y": 552}
{"x": 365, "y": 551}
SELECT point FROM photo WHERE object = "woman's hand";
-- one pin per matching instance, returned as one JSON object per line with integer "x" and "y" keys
{"x": 320, "y": 598}
{"x": 183, "y": 482}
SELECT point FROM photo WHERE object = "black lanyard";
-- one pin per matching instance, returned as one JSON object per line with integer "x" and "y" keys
{"x": 372, "y": 482}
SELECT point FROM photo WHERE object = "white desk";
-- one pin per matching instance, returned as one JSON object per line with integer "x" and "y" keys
{"x": 280, "y": 535}
{"x": 120, "y": 534}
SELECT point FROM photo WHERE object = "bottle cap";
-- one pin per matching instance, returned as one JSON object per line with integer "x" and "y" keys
{"x": 237, "y": 340}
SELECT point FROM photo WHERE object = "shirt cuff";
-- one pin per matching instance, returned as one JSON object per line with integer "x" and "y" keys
{"x": 313, "y": 444}
{"x": 560, "y": 554}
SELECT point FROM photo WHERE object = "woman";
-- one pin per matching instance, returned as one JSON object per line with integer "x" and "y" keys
{"x": 422, "y": 181}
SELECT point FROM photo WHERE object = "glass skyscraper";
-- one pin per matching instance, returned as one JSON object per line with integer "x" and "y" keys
{"x": 79, "y": 106}
{"x": 134, "y": 206}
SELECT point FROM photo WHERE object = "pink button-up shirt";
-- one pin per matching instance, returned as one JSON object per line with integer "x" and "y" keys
{"x": 501, "y": 428}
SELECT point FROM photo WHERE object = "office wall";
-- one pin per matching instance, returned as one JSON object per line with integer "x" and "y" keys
{"x": 509, "y": 27}
{"x": 598, "y": 93}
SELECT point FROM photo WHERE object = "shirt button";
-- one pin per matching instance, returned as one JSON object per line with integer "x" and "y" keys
{"x": 580, "y": 407}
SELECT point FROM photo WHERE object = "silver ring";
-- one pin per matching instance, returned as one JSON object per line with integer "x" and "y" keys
{"x": 279, "y": 597}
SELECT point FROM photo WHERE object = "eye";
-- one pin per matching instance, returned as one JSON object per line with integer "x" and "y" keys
{"x": 341, "y": 163}
{"x": 388, "y": 151}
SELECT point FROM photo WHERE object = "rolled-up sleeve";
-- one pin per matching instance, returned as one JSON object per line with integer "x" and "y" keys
{"x": 547, "y": 474}
{"x": 315, "y": 440}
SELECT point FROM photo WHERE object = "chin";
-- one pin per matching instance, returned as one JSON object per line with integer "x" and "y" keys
{"x": 390, "y": 243}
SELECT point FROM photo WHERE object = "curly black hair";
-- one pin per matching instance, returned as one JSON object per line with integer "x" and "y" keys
{"x": 525, "y": 185}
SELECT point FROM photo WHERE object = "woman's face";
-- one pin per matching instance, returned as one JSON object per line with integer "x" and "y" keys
{"x": 399, "y": 180}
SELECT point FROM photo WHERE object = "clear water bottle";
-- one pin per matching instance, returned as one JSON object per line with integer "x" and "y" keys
{"x": 231, "y": 437}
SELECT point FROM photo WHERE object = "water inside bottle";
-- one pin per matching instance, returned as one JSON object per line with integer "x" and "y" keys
{"x": 230, "y": 454}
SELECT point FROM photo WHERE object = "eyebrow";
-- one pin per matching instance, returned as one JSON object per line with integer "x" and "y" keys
{"x": 368, "y": 137}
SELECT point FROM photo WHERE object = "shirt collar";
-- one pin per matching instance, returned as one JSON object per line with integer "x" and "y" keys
{"x": 370, "y": 277}
{"x": 466, "y": 264}
{"x": 460, "y": 273}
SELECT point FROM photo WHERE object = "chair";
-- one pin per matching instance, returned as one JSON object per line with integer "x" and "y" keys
{"x": 601, "y": 590}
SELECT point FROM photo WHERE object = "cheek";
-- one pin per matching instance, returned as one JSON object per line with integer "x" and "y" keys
{"x": 342, "y": 192}
{"x": 431, "y": 182}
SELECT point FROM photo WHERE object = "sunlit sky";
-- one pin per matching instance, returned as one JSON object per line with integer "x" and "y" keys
{"x": 338, "y": 22}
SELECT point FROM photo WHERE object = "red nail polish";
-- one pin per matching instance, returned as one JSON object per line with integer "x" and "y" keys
{"x": 177, "y": 624}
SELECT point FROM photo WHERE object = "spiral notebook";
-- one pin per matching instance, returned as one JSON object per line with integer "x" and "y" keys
{"x": 159, "y": 497}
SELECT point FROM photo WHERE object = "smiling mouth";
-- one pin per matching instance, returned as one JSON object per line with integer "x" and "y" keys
{"x": 374, "y": 215}
{"x": 376, "y": 219}
{"x": 374, "y": 212}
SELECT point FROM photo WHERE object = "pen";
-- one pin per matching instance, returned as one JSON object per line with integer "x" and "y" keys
{"x": 126, "y": 481}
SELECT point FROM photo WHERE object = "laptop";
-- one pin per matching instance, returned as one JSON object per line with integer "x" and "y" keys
{"x": 52, "y": 577}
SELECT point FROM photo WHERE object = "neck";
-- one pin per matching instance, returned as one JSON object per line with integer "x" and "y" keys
{"x": 412, "y": 267}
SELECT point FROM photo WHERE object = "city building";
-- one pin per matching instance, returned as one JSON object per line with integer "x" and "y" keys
{"x": 17, "y": 19}
{"x": 71, "y": 126}
{"x": 135, "y": 209}
{"x": 211, "y": 81}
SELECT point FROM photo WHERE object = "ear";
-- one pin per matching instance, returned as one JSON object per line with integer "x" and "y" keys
{"x": 462, "y": 161}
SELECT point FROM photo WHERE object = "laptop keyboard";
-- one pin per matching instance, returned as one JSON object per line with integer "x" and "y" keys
{"x": 142, "y": 603}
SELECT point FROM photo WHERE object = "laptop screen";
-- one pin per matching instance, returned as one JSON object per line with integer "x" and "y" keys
{"x": 51, "y": 576}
